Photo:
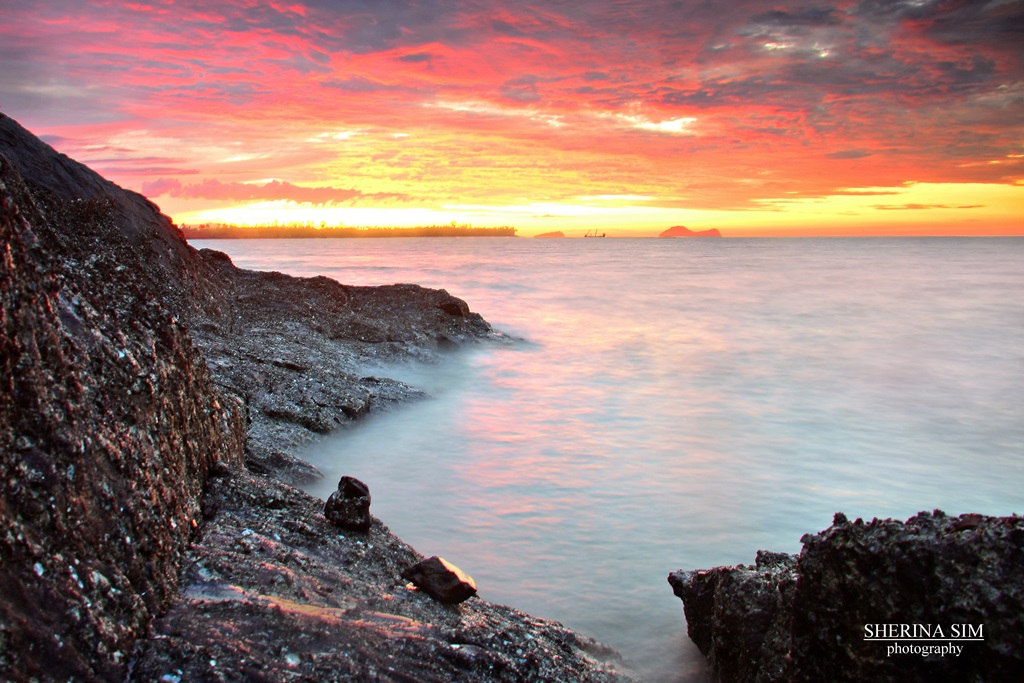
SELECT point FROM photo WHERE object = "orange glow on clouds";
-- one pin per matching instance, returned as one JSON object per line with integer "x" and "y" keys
{"x": 845, "y": 117}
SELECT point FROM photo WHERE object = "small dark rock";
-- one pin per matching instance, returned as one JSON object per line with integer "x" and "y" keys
{"x": 220, "y": 469}
{"x": 288, "y": 365}
{"x": 349, "y": 506}
{"x": 441, "y": 580}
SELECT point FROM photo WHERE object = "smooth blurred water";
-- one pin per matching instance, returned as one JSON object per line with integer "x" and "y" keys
{"x": 682, "y": 404}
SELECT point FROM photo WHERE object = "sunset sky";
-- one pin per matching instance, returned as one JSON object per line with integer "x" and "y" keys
{"x": 751, "y": 116}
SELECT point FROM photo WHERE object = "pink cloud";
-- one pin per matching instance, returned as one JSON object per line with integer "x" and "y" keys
{"x": 790, "y": 98}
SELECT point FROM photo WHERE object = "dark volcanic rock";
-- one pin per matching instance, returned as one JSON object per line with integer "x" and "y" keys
{"x": 109, "y": 423}
{"x": 349, "y": 506}
{"x": 809, "y": 620}
{"x": 441, "y": 580}
{"x": 135, "y": 543}
{"x": 744, "y": 637}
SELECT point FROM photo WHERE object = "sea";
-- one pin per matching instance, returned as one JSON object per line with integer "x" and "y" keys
{"x": 679, "y": 404}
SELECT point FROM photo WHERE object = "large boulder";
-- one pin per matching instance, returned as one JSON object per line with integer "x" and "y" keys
{"x": 843, "y": 609}
{"x": 745, "y": 637}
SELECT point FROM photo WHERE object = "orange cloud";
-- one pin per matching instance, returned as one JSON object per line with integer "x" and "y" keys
{"x": 444, "y": 105}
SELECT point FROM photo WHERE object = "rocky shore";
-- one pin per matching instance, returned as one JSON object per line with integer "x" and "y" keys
{"x": 154, "y": 397}
{"x": 935, "y": 598}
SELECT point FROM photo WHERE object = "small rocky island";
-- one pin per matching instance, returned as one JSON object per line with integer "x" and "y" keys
{"x": 682, "y": 231}
{"x": 935, "y": 598}
{"x": 154, "y": 397}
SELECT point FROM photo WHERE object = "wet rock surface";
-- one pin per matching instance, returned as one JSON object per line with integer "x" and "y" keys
{"x": 154, "y": 398}
{"x": 806, "y": 617}
{"x": 283, "y": 594}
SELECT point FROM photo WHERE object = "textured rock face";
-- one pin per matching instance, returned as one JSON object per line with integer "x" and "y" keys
{"x": 108, "y": 424}
{"x": 296, "y": 351}
{"x": 745, "y": 636}
{"x": 148, "y": 243}
{"x": 809, "y": 620}
{"x": 275, "y": 593}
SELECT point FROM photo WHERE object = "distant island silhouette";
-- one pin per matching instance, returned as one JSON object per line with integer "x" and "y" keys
{"x": 216, "y": 231}
{"x": 680, "y": 231}
{"x": 545, "y": 235}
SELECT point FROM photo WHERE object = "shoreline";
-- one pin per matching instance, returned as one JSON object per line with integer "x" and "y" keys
{"x": 151, "y": 525}
{"x": 209, "y": 232}
{"x": 189, "y": 384}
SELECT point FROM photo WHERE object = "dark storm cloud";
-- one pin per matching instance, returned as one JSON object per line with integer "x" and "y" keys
{"x": 850, "y": 154}
{"x": 808, "y": 16}
{"x": 955, "y": 22}
{"x": 417, "y": 58}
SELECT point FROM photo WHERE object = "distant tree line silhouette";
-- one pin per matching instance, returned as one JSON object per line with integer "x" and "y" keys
{"x": 211, "y": 231}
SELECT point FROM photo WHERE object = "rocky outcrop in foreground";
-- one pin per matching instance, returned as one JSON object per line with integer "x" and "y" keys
{"x": 109, "y": 425}
{"x": 935, "y": 598}
{"x": 152, "y": 401}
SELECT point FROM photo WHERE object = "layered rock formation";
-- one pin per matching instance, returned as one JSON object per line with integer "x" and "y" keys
{"x": 153, "y": 397}
{"x": 869, "y": 601}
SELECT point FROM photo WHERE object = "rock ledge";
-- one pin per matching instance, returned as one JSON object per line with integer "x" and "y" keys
{"x": 807, "y": 617}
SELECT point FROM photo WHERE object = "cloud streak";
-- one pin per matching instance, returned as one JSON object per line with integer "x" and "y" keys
{"x": 274, "y": 190}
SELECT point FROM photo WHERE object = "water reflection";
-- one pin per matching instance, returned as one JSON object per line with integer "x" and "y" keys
{"x": 700, "y": 402}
